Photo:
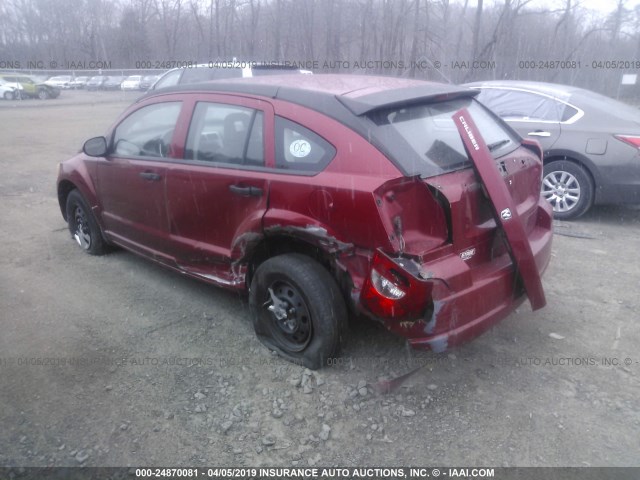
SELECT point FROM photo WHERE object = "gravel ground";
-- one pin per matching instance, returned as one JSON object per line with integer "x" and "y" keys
{"x": 142, "y": 366}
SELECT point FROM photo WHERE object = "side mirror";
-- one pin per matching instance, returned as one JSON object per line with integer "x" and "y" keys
{"x": 95, "y": 147}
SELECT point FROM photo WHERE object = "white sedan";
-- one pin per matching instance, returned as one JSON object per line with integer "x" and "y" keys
{"x": 131, "y": 83}
{"x": 61, "y": 81}
{"x": 10, "y": 90}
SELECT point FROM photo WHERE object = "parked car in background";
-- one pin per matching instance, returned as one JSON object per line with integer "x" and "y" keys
{"x": 591, "y": 142}
{"x": 113, "y": 82}
{"x": 147, "y": 81}
{"x": 96, "y": 83}
{"x": 78, "y": 82}
{"x": 31, "y": 89}
{"x": 61, "y": 81}
{"x": 9, "y": 90}
{"x": 220, "y": 71}
{"x": 321, "y": 194}
{"x": 132, "y": 82}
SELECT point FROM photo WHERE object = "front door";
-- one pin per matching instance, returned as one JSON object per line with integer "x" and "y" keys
{"x": 131, "y": 180}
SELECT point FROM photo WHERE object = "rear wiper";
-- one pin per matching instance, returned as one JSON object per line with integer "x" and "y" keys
{"x": 498, "y": 144}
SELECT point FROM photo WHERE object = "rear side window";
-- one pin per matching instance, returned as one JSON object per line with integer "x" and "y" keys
{"x": 569, "y": 113}
{"x": 169, "y": 79}
{"x": 299, "y": 149}
{"x": 424, "y": 140}
{"x": 226, "y": 134}
{"x": 516, "y": 105}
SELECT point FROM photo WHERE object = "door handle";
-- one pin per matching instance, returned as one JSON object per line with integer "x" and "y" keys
{"x": 246, "y": 191}
{"x": 154, "y": 177}
{"x": 539, "y": 133}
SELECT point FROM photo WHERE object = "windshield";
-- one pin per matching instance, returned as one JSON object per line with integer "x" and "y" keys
{"x": 425, "y": 141}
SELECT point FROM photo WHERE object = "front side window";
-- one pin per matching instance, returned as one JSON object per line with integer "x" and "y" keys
{"x": 226, "y": 134}
{"x": 425, "y": 141}
{"x": 299, "y": 149}
{"x": 147, "y": 132}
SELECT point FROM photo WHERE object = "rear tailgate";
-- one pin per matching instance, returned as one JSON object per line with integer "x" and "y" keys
{"x": 504, "y": 206}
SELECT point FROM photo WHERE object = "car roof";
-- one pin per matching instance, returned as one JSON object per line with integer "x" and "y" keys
{"x": 557, "y": 90}
{"x": 360, "y": 94}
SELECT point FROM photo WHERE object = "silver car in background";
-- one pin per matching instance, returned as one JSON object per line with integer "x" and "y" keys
{"x": 60, "y": 81}
{"x": 591, "y": 142}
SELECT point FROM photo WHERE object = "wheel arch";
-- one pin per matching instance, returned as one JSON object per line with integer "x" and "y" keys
{"x": 284, "y": 242}
{"x": 577, "y": 158}
{"x": 65, "y": 187}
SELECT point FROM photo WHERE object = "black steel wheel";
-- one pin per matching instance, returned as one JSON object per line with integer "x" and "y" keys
{"x": 298, "y": 309}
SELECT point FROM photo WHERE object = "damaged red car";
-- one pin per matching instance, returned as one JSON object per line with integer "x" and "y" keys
{"x": 324, "y": 196}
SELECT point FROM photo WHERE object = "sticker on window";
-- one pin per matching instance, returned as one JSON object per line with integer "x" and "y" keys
{"x": 300, "y": 148}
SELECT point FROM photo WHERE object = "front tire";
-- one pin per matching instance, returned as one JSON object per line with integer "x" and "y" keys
{"x": 9, "y": 95}
{"x": 298, "y": 310}
{"x": 43, "y": 94}
{"x": 568, "y": 188}
{"x": 83, "y": 226}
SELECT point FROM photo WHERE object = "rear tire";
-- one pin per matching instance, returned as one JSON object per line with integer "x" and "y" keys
{"x": 568, "y": 187}
{"x": 306, "y": 323}
{"x": 83, "y": 226}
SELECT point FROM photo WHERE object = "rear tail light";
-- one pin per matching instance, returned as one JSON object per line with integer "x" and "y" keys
{"x": 386, "y": 287}
{"x": 390, "y": 291}
{"x": 633, "y": 140}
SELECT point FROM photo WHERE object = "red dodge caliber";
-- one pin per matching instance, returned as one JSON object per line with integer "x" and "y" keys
{"x": 320, "y": 195}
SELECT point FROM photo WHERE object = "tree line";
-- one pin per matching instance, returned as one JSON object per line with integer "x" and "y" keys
{"x": 442, "y": 40}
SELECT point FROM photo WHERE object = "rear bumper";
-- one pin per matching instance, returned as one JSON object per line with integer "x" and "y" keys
{"x": 471, "y": 300}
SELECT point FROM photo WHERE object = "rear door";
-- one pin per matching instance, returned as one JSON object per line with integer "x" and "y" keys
{"x": 131, "y": 180}
{"x": 532, "y": 115}
{"x": 217, "y": 196}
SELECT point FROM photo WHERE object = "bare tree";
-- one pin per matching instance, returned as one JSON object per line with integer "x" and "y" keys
{"x": 170, "y": 12}
{"x": 477, "y": 25}
{"x": 501, "y": 33}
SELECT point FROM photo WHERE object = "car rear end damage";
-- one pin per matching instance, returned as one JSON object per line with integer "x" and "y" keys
{"x": 469, "y": 244}
{"x": 449, "y": 294}
{"x": 428, "y": 252}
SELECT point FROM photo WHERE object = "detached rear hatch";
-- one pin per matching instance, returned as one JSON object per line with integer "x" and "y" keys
{"x": 486, "y": 179}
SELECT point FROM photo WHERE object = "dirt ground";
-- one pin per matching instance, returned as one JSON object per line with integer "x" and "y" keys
{"x": 115, "y": 361}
